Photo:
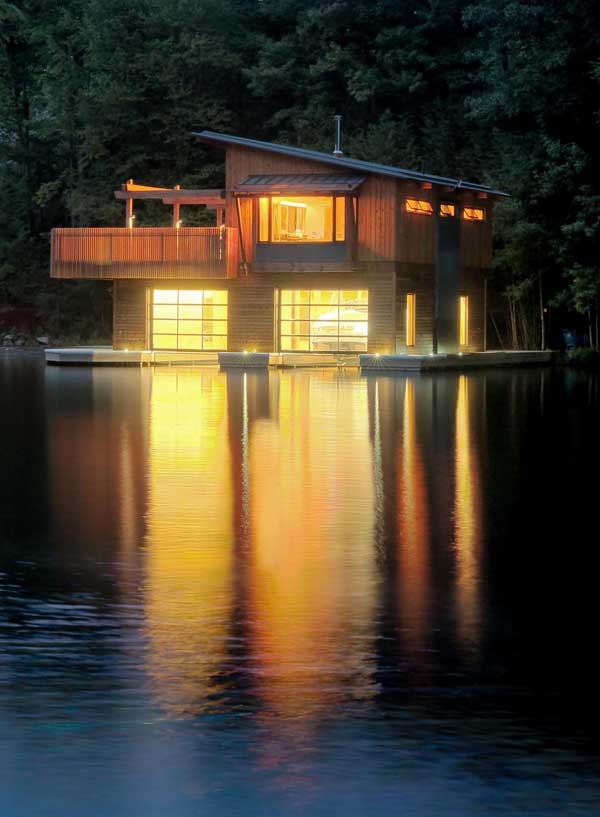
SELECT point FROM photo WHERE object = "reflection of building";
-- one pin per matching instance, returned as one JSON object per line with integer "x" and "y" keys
{"x": 311, "y": 571}
{"x": 189, "y": 539}
{"x": 96, "y": 457}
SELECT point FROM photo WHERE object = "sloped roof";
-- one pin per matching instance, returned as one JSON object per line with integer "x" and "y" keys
{"x": 211, "y": 137}
{"x": 301, "y": 183}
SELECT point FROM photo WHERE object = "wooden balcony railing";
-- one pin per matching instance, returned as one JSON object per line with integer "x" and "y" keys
{"x": 144, "y": 252}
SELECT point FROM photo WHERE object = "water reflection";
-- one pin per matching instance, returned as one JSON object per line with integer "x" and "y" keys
{"x": 189, "y": 538}
{"x": 293, "y": 585}
{"x": 467, "y": 522}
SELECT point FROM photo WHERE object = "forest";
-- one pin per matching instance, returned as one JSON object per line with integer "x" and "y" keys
{"x": 504, "y": 92}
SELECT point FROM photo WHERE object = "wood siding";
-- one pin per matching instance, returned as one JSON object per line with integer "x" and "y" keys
{"x": 142, "y": 252}
{"x": 130, "y": 314}
{"x": 417, "y": 278}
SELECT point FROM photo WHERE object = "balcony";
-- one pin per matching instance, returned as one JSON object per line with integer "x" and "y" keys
{"x": 144, "y": 252}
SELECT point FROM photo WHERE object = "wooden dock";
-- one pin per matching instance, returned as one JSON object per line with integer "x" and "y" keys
{"x": 369, "y": 364}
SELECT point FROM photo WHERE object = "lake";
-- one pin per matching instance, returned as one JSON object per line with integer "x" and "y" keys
{"x": 297, "y": 592}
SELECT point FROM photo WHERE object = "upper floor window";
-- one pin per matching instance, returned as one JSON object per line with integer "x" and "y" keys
{"x": 447, "y": 210}
{"x": 301, "y": 219}
{"x": 420, "y": 206}
{"x": 473, "y": 214}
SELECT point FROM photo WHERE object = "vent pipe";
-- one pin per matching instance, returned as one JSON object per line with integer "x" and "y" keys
{"x": 337, "y": 150}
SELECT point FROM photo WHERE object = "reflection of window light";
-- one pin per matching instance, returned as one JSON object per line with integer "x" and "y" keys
{"x": 419, "y": 206}
{"x": 473, "y": 214}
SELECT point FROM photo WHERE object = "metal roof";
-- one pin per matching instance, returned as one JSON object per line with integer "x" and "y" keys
{"x": 301, "y": 183}
{"x": 350, "y": 164}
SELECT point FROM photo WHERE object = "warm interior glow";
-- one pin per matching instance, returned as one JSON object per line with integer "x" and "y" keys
{"x": 464, "y": 321}
{"x": 473, "y": 214}
{"x": 302, "y": 219}
{"x": 419, "y": 206}
{"x": 189, "y": 319}
{"x": 411, "y": 319}
{"x": 447, "y": 210}
{"x": 316, "y": 320}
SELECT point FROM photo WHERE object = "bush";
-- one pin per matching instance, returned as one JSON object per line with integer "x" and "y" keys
{"x": 584, "y": 357}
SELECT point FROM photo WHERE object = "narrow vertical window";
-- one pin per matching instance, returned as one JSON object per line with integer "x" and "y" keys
{"x": 464, "y": 321}
{"x": 340, "y": 218}
{"x": 263, "y": 219}
{"x": 411, "y": 319}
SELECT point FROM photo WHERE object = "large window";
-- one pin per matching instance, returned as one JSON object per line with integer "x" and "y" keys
{"x": 324, "y": 320}
{"x": 306, "y": 219}
{"x": 189, "y": 319}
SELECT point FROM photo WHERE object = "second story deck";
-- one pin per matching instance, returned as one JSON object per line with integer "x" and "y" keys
{"x": 175, "y": 253}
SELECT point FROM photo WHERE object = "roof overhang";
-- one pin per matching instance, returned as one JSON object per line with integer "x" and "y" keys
{"x": 300, "y": 184}
{"x": 458, "y": 185}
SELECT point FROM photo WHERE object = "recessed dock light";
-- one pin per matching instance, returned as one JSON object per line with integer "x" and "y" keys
{"x": 245, "y": 352}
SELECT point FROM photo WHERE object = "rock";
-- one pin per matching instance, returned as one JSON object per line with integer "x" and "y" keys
{"x": 43, "y": 339}
{"x": 8, "y": 337}
{"x": 7, "y": 342}
{"x": 20, "y": 342}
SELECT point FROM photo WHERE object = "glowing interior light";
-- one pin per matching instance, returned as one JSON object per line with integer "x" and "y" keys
{"x": 473, "y": 214}
{"x": 293, "y": 203}
{"x": 420, "y": 206}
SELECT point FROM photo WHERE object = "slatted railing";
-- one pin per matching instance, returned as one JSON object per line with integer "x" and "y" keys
{"x": 143, "y": 252}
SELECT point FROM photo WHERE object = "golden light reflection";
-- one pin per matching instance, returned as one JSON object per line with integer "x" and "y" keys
{"x": 312, "y": 559}
{"x": 467, "y": 521}
{"x": 189, "y": 537}
{"x": 413, "y": 530}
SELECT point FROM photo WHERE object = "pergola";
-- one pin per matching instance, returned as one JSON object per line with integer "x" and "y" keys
{"x": 173, "y": 196}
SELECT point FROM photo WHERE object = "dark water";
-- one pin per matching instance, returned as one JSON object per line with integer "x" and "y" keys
{"x": 297, "y": 593}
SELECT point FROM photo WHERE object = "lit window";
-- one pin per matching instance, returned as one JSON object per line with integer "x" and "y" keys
{"x": 420, "y": 206}
{"x": 324, "y": 320}
{"x": 463, "y": 338}
{"x": 473, "y": 214}
{"x": 447, "y": 210}
{"x": 190, "y": 319}
{"x": 411, "y": 319}
{"x": 297, "y": 219}
{"x": 263, "y": 219}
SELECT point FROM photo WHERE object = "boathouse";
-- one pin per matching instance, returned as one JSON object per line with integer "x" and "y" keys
{"x": 309, "y": 252}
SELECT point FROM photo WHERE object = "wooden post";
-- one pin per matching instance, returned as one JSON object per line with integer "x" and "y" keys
{"x": 176, "y": 209}
{"x": 129, "y": 212}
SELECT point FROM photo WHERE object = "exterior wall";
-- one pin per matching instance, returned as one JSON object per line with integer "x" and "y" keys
{"x": 420, "y": 279}
{"x": 251, "y": 306}
{"x": 129, "y": 314}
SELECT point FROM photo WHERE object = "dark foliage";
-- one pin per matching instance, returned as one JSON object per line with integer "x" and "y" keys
{"x": 93, "y": 92}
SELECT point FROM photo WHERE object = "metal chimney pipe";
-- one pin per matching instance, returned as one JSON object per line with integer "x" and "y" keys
{"x": 337, "y": 150}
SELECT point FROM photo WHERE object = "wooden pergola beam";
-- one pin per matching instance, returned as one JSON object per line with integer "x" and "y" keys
{"x": 170, "y": 195}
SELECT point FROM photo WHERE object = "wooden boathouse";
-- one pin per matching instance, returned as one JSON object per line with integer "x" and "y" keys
{"x": 309, "y": 252}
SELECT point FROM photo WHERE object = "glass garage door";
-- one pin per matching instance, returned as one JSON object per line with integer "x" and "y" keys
{"x": 324, "y": 320}
{"x": 189, "y": 319}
